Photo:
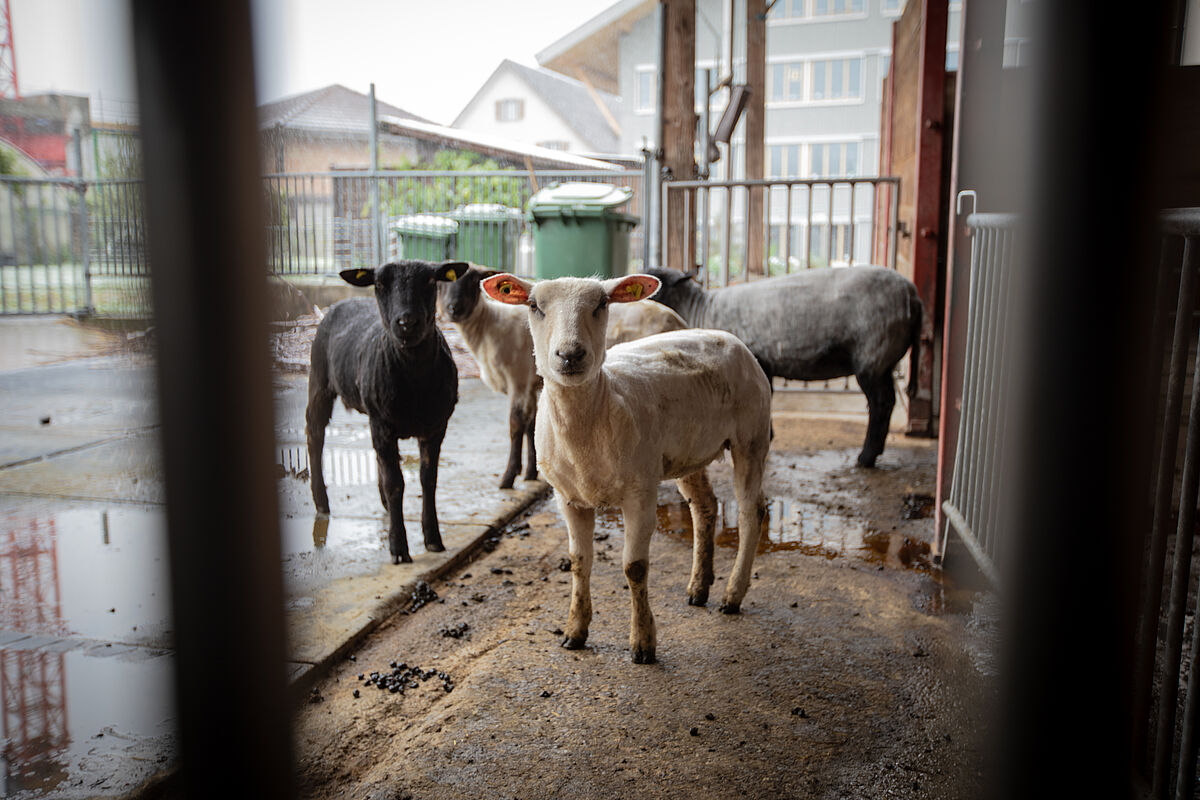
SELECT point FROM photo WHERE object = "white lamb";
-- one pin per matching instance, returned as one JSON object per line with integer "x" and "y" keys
{"x": 615, "y": 424}
{"x": 498, "y": 337}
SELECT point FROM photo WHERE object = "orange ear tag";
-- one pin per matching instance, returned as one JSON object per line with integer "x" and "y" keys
{"x": 635, "y": 289}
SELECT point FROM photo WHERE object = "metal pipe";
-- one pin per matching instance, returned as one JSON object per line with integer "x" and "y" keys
{"x": 377, "y": 248}
{"x": 656, "y": 190}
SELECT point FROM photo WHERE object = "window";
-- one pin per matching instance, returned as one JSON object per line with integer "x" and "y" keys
{"x": 951, "y": 60}
{"x": 893, "y": 6}
{"x": 783, "y": 161}
{"x": 511, "y": 110}
{"x": 836, "y": 79}
{"x": 838, "y": 8}
{"x": 817, "y": 9}
{"x": 555, "y": 144}
{"x": 644, "y": 90}
{"x": 787, "y": 82}
{"x": 833, "y": 160}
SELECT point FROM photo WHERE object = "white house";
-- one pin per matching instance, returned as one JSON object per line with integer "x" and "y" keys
{"x": 544, "y": 108}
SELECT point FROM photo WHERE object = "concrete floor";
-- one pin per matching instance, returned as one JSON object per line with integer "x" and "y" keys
{"x": 847, "y": 620}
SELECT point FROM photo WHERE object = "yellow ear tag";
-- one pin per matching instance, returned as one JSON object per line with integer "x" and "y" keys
{"x": 505, "y": 288}
{"x": 634, "y": 289}
{"x": 451, "y": 275}
{"x": 362, "y": 273}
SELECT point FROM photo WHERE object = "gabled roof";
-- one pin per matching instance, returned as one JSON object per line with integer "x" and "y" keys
{"x": 572, "y": 100}
{"x": 333, "y": 109}
{"x": 592, "y": 48}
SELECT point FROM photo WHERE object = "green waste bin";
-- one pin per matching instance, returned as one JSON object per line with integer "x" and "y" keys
{"x": 487, "y": 234}
{"x": 426, "y": 237}
{"x": 578, "y": 231}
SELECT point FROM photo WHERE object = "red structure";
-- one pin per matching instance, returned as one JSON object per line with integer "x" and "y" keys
{"x": 8, "y": 56}
{"x": 33, "y": 687}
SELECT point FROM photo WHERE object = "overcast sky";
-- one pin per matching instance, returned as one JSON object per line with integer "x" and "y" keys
{"x": 425, "y": 56}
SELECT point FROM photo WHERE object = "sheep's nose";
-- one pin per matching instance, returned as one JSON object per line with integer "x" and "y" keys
{"x": 571, "y": 357}
{"x": 405, "y": 325}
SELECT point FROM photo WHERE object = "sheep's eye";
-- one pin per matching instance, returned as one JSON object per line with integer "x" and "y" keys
{"x": 533, "y": 306}
{"x": 603, "y": 305}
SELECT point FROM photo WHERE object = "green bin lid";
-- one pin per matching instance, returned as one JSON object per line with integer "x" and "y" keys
{"x": 580, "y": 196}
{"x": 486, "y": 212}
{"x": 426, "y": 225}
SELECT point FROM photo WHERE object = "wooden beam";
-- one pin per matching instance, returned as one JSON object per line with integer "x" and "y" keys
{"x": 582, "y": 75}
{"x": 679, "y": 124}
{"x": 756, "y": 118}
{"x": 929, "y": 203}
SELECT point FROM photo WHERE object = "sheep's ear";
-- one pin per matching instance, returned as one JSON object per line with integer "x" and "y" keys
{"x": 631, "y": 288}
{"x": 359, "y": 277}
{"x": 507, "y": 288}
{"x": 451, "y": 271}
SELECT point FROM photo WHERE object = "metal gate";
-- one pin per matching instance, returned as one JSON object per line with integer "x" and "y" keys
{"x": 973, "y": 506}
{"x": 43, "y": 246}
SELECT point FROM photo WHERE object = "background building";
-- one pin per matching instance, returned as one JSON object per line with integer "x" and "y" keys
{"x": 544, "y": 108}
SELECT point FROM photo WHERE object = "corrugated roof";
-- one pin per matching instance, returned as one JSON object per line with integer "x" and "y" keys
{"x": 333, "y": 109}
{"x": 571, "y": 100}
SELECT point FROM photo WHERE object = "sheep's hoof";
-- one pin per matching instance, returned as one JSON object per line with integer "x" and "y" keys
{"x": 435, "y": 547}
{"x": 396, "y": 559}
{"x": 531, "y": 475}
{"x": 698, "y": 599}
{"x": 643, "y": 656}
{"x": 865, "y": 461}
{"x": 574, "y": 642}
{"x": 731, "y": 608}
{"x": 508, "y": 483}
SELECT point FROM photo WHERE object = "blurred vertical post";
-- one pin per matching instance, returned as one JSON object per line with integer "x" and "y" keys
{"x": 678, "y": 121}
{"x": 195, "y": 74}
{"x": 377, "y": 247}
{"x": 755, "y": 129}
{"x": 1085, "y": 429}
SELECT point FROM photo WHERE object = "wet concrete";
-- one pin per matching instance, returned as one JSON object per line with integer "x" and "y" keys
{"x": 854, "y": 670}
{"x": 85, "y": 639}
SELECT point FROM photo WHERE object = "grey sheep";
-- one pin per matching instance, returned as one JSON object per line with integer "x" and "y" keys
{"x": 815, "y": 325}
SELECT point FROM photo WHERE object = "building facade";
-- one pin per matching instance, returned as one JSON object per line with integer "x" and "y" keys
{"x": 546, "y": 109}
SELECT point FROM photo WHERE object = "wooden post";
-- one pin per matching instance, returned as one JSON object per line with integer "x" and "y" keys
{"x": 679, "y": 125}
{"x": 929, "y": 202}
{"x": 756, "y": 117}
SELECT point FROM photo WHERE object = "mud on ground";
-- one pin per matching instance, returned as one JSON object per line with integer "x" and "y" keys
{"x": 848, "y": 674}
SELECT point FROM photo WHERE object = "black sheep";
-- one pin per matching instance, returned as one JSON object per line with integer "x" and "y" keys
{"x": 388, "y": 360}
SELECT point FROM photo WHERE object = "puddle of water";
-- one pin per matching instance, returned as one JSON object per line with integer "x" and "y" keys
{"x": 343, "y": 466}
{"x": 78, "y": 724}
{"x": 98, "y": 573}
{"x": 794, "y": 525}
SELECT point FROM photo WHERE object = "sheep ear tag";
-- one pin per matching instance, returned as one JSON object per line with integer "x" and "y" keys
{"x": 451, "y": 275}
{"x": 506, "y": 289}
{"x": 358, "y": 277}
{"x": 633, "y": 288}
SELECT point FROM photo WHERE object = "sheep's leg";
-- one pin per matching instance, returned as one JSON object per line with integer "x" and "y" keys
{"x": 581, "y": 522}
{"x": 640, "y": 518}
{"x": 748, "y": 465}
{"x": 387, "y": 456}
{"x": 431, "y": 449}
{"x": 881, "y": 399}
{"x": 531, "y": 470}
{"x": 698, "y": 492}
{"x": 516, "y": 430}
{"x": 316, "y": 417}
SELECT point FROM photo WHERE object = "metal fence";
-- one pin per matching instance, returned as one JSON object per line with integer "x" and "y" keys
{"x": 321, "y": 223}
{"x": 79, "y": 247}
{"x": 812, "y": 222}
{"x": 973, "y": 506}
